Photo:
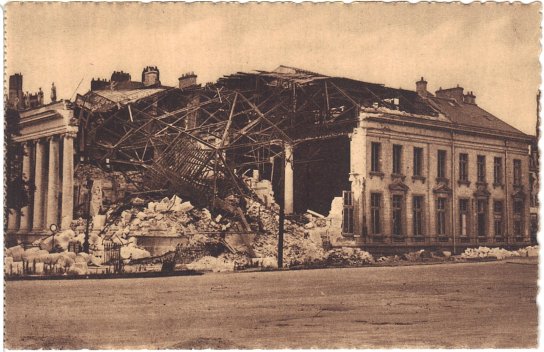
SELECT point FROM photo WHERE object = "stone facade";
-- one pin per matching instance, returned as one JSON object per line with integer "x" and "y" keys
{"x": 388, "y": 129}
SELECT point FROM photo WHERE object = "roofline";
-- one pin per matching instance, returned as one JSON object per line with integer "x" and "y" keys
{"x": 451, "y": 127}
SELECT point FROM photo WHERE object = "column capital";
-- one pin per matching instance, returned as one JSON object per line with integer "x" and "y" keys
{"x": 69, "y": 134}
{"x": 52, "y": 138}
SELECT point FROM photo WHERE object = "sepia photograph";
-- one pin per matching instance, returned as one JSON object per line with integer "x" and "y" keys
{"x": 271, "y": 175}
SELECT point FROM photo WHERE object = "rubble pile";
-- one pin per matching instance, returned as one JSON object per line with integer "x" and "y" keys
{"x": 498, "y": 253}
{"x": 168, "y": 217}
{"x": 302, "y": 242}
{"x": 347, "y": 256}
{"x": 34, "y": 260}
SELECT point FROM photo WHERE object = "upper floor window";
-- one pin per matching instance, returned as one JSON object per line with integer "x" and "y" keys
{"x": 441, "y": 164}
{"x": 517, "y": 172}
{"x": 463, "y": 167}
{"x": 418, "y": 161}
{"x": 497, "y": 171}
{"x": 376, "y": 155}
{"x": 481, "y": 168}
{"x": 397, "y": 159}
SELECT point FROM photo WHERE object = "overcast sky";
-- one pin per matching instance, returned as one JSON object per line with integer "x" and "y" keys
{"x": 490, "y": 49}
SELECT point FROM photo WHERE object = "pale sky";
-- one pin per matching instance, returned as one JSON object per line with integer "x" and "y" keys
{"x": 489, "y": 49}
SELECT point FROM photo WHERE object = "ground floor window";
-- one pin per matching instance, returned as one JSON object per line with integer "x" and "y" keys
{"x": 347, "y": 221}
{"x": 498, "y": 225}
{"x": 463, "y": 217}
{"x": 418, "y": 215}
{"x": 397, "y": 215}
{"x": 441, "y": 216}
{"x": 375, "y": 210}
{"x": 518, "y": 217}
{"x": 482, "y": 217}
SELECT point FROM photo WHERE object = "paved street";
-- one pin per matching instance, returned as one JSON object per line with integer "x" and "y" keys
{"x": 489, "y": 304}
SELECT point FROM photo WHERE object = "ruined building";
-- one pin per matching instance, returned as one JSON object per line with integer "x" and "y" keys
{"x": 391, "y": 168}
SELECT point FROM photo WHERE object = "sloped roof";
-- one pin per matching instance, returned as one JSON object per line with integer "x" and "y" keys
{"x": 103, "y": 100}
{"x": 471, "y": 115}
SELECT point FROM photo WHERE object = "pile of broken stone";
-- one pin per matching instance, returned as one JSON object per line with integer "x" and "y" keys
{"x": 199, "y": 228}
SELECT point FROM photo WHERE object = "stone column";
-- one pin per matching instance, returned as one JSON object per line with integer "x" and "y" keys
{"x": 52, "y": 209}
{"x": 67, "y": 181}
{"x": 25, "y": 211}
{"x": 288, "y": 180}
{"x": 358, "y": 157}
{"x": 12, "y": 220}
{"x": 37, "y": 223}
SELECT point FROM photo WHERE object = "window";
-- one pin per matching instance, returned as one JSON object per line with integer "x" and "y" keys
{"x": 498, "y": 218}
{"x": 347, "y": 220}
{"x": 418, "y": 161}
{"x": 441, "y": 167}
{"x": 463, "y": 167}
{"x": 397, "y": 215}
{"x": 441, "y": 216}
{"x": 376, "y": 151}
{"x": 482, "y": 217}
{"x": 517, "y": 172}
{"x": 518, "y": 217}
{"x": 497, "y": 171}
{"x": 463, "y": 217}
{"x": 418, "y": 215}
{"x": 397, "y": 159}
{"x": 481, "y": 168}
{"x": 375, "y": 220}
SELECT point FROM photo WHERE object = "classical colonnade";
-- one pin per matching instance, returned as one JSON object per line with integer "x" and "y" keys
{"x": 42, "y": 165}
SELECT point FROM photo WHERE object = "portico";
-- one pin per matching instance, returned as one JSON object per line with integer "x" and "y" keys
{"x": 47, "y": 139}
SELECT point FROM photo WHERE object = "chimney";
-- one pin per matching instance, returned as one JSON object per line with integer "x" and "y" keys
{"x": 451, "y": 93}
{"x": 470, "y": 98}
{"x": 421, "y": 87}
{"x": 15, "y": 94}
{"x": 187, "y": 80}
{"x": 150, "y": 76}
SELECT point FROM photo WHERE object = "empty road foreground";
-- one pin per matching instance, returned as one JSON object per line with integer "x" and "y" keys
{"x": 490, "y": 304}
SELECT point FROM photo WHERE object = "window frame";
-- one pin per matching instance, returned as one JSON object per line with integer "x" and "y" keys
{"x": 418, "y": 162}
{"x": 441, "y": 163}
{"x": 497, "y": 171}
{"x": 418, "y": 213}
{"x": 481, "y": 169}
{"x": 441, "y": 216}
{"x": 375, "y": 157}
{"x": 396, "y": 164}
{"x": 397, "y": 215}
{"x": 517, "y": 172}
{"x": 373, "y": 209}
{"x": 463, "y": 167}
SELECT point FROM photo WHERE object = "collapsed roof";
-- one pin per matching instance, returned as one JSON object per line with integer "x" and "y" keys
{"x": 198, "y": 140}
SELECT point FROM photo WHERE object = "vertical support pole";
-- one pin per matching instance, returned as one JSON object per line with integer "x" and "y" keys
{"x": 67, "y": 210}
{"x": 53, "y": 182}
{"x": 25, "y": 211}
{"x": 282, "y": 216}
{"x": 38, "y": 216}
{"x": 288, "y": 179}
